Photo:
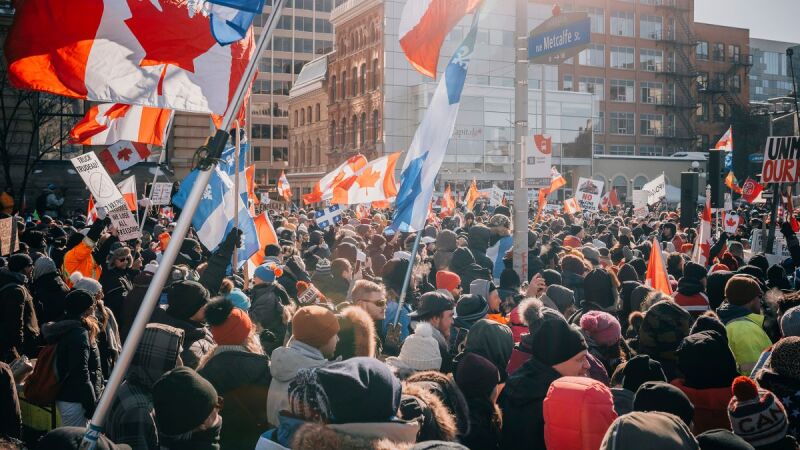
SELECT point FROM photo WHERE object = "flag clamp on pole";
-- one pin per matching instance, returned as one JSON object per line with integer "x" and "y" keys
{"x": 212, "y": 152}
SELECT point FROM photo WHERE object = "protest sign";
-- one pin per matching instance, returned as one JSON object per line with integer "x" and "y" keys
{"x": 639, "y": 198}
{"x": 539, "y": 149}
{"x": 9, "y": 242}
{"x": 656, "y": 190}
{"x": 161, "y": 193}
{"x": 589, "y": 194}
{"x": 781, "y": 160}
{"x": 125, "y": 223}
{"x": 105, "y": 192}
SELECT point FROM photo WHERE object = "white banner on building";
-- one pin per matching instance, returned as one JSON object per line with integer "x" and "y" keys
{"x": 656, "y": 190}
{"x": 105, "y": 192}
{"x": 589, "y": 194}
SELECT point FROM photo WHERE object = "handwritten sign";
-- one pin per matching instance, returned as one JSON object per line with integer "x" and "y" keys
{"x": 161, "y": 193}
{"x": 589, "y": 194}
{"x": 123, "y": 220}
{"x": 105, "y": 192}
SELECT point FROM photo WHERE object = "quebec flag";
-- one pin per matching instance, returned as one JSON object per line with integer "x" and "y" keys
{"x": 228, "y": 164}
{"x": 214, "y": 216}
{"x": 427, "y": 150}
{"x": 230, "y": 19}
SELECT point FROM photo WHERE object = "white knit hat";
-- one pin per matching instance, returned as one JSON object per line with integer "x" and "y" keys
{"x": 420, "y": 351}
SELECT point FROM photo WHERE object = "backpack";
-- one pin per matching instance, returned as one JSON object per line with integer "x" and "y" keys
{"x": 43, "y": 386}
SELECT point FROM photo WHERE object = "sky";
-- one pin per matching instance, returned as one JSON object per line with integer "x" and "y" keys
{"x": 766, "y": 19}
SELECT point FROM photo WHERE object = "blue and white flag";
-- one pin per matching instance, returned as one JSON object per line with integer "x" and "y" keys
{"x": 496, "y": 253}
{"x": 230, "y": 19}
{"x": 329, "y": 216}
{"x": 214, "y": 217}
{"x": 227, "y": 163}
{"x": 426, "y": 153}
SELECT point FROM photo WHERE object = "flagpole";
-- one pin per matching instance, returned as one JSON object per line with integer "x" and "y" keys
{"x": 212, "y": 152}
{"x": 393, "y": 328}
{"x": 238, "y": 141}
{"x": 155, "y": 178}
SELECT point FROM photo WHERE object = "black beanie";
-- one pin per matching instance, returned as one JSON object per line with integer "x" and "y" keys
{"x": 694, "y": 271}
{"x": 639, "y": 370}
{"x": 722, "y": 440}
{"x": 183, "y": 400}
{"x": 77, "y": 302}
{"x": 598, "y": 288}
{"x": 551, "y": 277}
{"x": 19, "y": 261}
{"x": 185, "y": 298}
{"x": 556, "y": 342}
{"x": 706, "y": 361}
{"x": 664, "y": 397}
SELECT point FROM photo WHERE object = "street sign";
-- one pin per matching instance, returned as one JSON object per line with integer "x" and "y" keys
{"x": 559, "y": 38}
{"x": 756, "y": 157}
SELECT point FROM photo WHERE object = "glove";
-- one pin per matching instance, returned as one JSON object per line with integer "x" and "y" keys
{"x": 232, "y": 241}
{"x": 786, "y": 229}
{"x": 97, "y": 229}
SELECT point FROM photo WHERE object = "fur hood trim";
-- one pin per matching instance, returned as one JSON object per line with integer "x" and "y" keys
{"x": 358, "y": 328}
{"x": 444, "y": 387}
{"x": 442, "y": 426}
{"x": 356, "y": 436}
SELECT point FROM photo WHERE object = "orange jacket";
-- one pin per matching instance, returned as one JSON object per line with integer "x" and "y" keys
{"x": 577, "y": 413}
{"x": 79, "y": 259}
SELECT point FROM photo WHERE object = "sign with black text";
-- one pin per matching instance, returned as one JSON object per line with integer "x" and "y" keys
{"x": 589, "y": 194}
{"x": 781, "y": 160}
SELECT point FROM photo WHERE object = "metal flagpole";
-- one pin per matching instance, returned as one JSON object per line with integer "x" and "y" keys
{"x": 214, "y": 149}
{"x": 520, "y": 233}
{"x": 238, "y": 141}
{"x": 394, "y": 331}
{"x": 155, "y": 178}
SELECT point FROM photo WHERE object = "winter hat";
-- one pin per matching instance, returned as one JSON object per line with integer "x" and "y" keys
{"x": 77, "y": 302}
{"x": 269, "y": 272}
{"x": 471, "y": 308}
{"x": 239, "y": 299}
{"x": 314, "y": 325}
{"x": 185, "y": 298}
{"x": 627, "y": 273}
{"x": 570, "y": 342}
{"x": 43, "y": 266}
{"x": 500, "y": 220}
{"x": 753, "y": 271}
{"x": 323, "y": 268}
{"x": 551, "y": 277}
{"x": 664, "y": 397}
{"x": 572, "y": 242}
{"x": 357, "y": 390}
{"x": 722, "y": 440}
{"x": 87, "y": 284}
{"x": 756, "y": 415}
{"x": 709, "y": 323}
{"x": 602, "y": 327}
{"x": 482, "y": 288}
{"x": 420, "y": 351}
{"x": 785, "y": 358}
{"x": 446, "y": 241}
{"x": 591, "y": 254}
{"x": 476, "y": 376}
{"x": 706, "y": 361}
{"x": 561, "y": 296}
{"x": 229, "y": 325}
{"x": 663, "y": 328}
{"x": 639, "y": 370}
{"x": 759, "y": 261}
{"x": 741, "y": 289}
{"x": 790, "y": 322}
{"x": 447, "y": 280}
{"x": 719, "y": 267}
{"x": 183, "y": 400}
{"x": 509, "y": 280}
{"x": 120, "y": 252}
{"x": 649, "y": 430}
{"x": 599, "y": 288}
{"x": 715, "y": 288}
{"x": 694, "y": 271}
{"x": 70, "y": 438}
{"x": 431, "y": 304}
{"x": 19, "y": 261}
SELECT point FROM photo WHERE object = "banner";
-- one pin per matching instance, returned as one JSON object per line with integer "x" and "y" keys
{"x": 731, "y": 223}
{"x": 589, "y": 194}
{"x": 9, "y": 242}
{"x": 781, "y": 160}
{"x": 656, "y": 190}
{"x": 125, "y": 223}
{"x": 161, "y": 193}
{"x": 98, "y": 181}
{"x": 537, "y": 166}
{"x": 640, "y": 211}
{"x": 639, "y": 198}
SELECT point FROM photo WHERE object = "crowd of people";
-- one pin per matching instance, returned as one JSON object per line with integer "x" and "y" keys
{"x": 316, "y": 349}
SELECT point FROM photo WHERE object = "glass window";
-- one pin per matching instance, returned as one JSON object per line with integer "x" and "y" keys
{"x": 599, "y": 123}
{"x": 719, "y": 51}
{"x": 596, "y": 17}
{"x": 651, "y": 124}
{"x": 622, "y": 58}
{"x": 702, "y": 50}
{"x": 354, "y": 87}
{"x": 701, "y": 112}
{"x": 363, "y": 130}
{"x": 594, "y": 55}
{"x": 647, "y": 150}
{"x": 322, "y": 46}
{"x": 651, "y": 60}
{"x": 375, "y": 134}
{"x": 324, "y": 5}
{"x": 303, "y": 23}
{"x": 303, "y": 45}
{"x": 323, "y": 26}
{"x": 621, "y": 150}
{"x": 375, "y": 73}
{"x": 735, "y": 83}
{"x": 702, "y": 142}
{"x": 622, "y": 91}
{"x": 333, "y": 87}
{"x": 652, "y": 92}
{"x": 362, "y": 80}
{"x": 650, "y": 27}
{"x": 702, "y": 80}
{"x": 734, "y": 53}
{"x": 720, "y": 112}
{"x": 622, "y": 23}
{"x": 285, "y": 23}
{"x": 775, "y": 63}
{"x": 719, "y": 81}
{"x": 592, "y": 85}
{"x": 622, "y": 123}
{"x": 599, "y": 149}
{"x": 567, "y": 84}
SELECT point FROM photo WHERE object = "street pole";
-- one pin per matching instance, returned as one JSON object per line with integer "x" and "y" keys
{"x": 520, "y": 135}
{"x": 773, "y": 214}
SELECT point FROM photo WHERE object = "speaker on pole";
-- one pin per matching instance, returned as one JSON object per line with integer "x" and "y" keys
{"x": 689, "y": 182}
{"x": 714, "y": 177}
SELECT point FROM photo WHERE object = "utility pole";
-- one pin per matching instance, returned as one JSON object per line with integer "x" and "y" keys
{"x": 520, "y": 135}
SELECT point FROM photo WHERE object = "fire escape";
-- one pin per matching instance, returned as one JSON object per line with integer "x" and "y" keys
{"x": 678, "y": 69}
{"x": 722, "y": 84}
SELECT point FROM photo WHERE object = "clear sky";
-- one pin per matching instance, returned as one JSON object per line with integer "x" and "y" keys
{"x": 766, "y": 19}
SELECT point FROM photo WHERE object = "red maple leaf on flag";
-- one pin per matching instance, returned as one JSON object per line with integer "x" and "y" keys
{"x": 124, "y": 154}
{"x": 368, "y": 178}
{"x": 169, "y": 36}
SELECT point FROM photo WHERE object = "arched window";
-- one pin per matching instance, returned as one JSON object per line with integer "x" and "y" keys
{"x": 375, "y": 74}
{"x": 332, "y": 137}
{"x": 302, "y": 116}
{"x": 375, "y": 130}
{"x": 308, "y": 113}
{"x": 639, "y": 182}
{"x": 363, "y": 129}
{"x": 354, "y": 124}
{"x": 309, "y": 153}
{"x": 295, "y": 117}
{"x": 317, "y": 112}
{"x": 363, "y": 78}
{"x": 344, "y": 133}
{"x": 344, "y": 84}
{"x": 620, "y": 183}
{"x": 317, "y": 153}
{"x": 333, "y": 88}
{"x": 354, "y": 88}
{"x": 301, "y": 155}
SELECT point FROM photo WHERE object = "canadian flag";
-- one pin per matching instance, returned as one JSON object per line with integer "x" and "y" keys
{"x": 122, "y": 155}
{"x": 323, "y": 189}
{"x": 284, "y": 189}
{"x": 731, "y": 222}
{"x": 373, "y": 182}
{"x": 111, "y": 122}
{"x": 159, "y": 53}
{"x": 423, "y": 26}
{"x": 702, "y": 245}
{"x": 726, "y": 141}
{"x": 571, "y": 206}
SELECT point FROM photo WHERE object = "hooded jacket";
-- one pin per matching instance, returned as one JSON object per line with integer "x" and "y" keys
{"x": 479, "y": 238}
{"x": 285, "y": 362}
{"x": 116, "y": 285}
{"x": 648, "y": 430}
{"x": 746, "y": 336}
{"x": 49, "y": 292}
{"x": 521, "y": 402}
{"x": 131, "y": 418}
{"x": 464, "y": 266}
{"x": 266, "y": 308}
{"x": 574, "y": 282}
{"x": 577, "y": 413}
{"x": 80, "y": 259}
{"x": 491, "y": 340}
{"x": 691, "y": 296}
{"x": 19, "y": 326}
{"x": 130, "y": 307}
{"x": 242, "y": 378}
{"x": 77, "y": 363}
{"x": 197, "y": 339}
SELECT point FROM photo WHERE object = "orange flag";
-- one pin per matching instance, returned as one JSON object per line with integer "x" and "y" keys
{"x": 472, "y": 195}
{"x": 656, "y": 276}
{"x": 448, "y": 202}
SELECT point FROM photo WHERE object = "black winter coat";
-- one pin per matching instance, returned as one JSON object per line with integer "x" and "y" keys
{"x": 116, "y": 285}
{"x": 197, "y": 339}
{"x": 19, "y": 326}
{"x": 49, "y": 291}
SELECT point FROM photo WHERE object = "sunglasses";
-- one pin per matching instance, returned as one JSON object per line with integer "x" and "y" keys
{"x": 378, "y": 303}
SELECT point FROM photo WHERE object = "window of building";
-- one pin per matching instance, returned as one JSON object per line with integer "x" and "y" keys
{"x": 720, "y": 112}
{"x": 622, "y": 91}
{"x": 303, "y": 24}
{"x": 735, "y": 83}
{"x": 282, "y": 44}
{"x": 363, "y": 78}
{"x": 702, "y": 142}
{"x": 280, "y": 132}
{"x": 375, "y": 73}
{"x": 309, "y": 154}
{"x": 317, "y": 152}
{"x": 363, "y": 131}
{"x": 622, "y": 58}
{"x": 322, "y": 47}
{"x": 308, "y": 115}
{"x": 599, "y": 123}
{"x": 354, "y": 87}
{"x": 594, "y": 55}
{"x": 701, "y": 50}
{"x": 650, "y": 27}
{"x": 651, "y": 60}
{"x": 333, "y": 88}
{"x": 592, "y": 85}
{"x": 651, "y": 124}
{"x": 647, "y": 150}
{"x": 701, "y": 112}
{"x": 621, "y": 150}
{"x": 261, "y": 87}
{"x": 702, "y": 80}
{"x": 354, "y": 124}
{"x": 323, "y": 26}
{"x": 734, "y": 53}
{"x": 344, "y": 133}
{"x": 622, "y": 123}
{"x": 260, "y": 131}
{"x": 719, "y": 81}
{"x": 622, "y": 23}
{"x": 599, "y": 149}
{"x": 597, "y": 18}
{"x": 285, "y": 23}
{"x": 332, "y": 134}
{"x": 774, "y": 62}
{"x": 375, "y": 134}
{"x": 651, "y": 92}
{"x": 281, "y": 87}
{"x": 317, "y": 113}
{"x": 719, "y": 52}
{"x": 567, "y": 83}
{"x": 344, "y": 84}
{"x": 324, "y": 5}
{"x": 302, "y": 45}
{"x": 301, "y": 154}
{"x": 302, "y": 118}
{"x": 280, "y": 154}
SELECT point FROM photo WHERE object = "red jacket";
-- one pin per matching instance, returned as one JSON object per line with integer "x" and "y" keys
{"x": 577, "y": 414}
{"x": 710, "y": 406}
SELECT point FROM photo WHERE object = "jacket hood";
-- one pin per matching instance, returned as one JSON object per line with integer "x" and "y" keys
{"x": 286, "y": 361}
{"x": 728, "y": 312}
{"x": 690, "y": 286}
{"x": 232, "y": 366}
{"x": 479, "y": 238}
{"x": 462, "y": 259}
{"x": 157, "y": 354}
{"x": 54, "y": 331}
{"x": 706, "y": 361}
{"x": 650, "y": 430}
{"x": 7, "y": 276}
{"x": 377, "y": 436}
{"x": 436, "y": 421}
{"x": 530, "y": 382}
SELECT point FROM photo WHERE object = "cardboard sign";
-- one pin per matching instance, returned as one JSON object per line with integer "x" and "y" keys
{"x": 9, "y": 241}
{"x": 728, "y": 204}
{"x": 758, "y": 240}
{"x": 125, "y": 223}
{"x": 161, "y": 193}
{"x": 781, "y": 160}
{"x": 656, "y": 190}
{"x": 105, "y": 192}
{"x": 539, "y": 150}
{"x": 589, "y": 194}
{"x": 552, "y": 207}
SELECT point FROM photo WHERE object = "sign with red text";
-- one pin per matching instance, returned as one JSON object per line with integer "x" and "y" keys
{"x": 589, "y": 194}
{"x": 781, "y": 160}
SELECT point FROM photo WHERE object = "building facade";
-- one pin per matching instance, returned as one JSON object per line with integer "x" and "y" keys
{"x": 770, "y": 76}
